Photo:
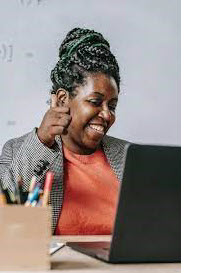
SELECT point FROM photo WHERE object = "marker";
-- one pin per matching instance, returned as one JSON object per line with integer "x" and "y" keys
{"x": 8, "y": 199}
{"x": 32, "y": 184}
{"x": 31, "y": 188}
{"x": 12, "y": 197}
{"x": 3, "y": 200}
{"x": 17, "y": 194}
{"x": 40, "y": 200}
{"x": 47, "y": 187}
{"x": 34, "y": 196}
{"x": 6, "y": 194}
{"x": 21, "y": 193}
{"x": 33, "y": 204}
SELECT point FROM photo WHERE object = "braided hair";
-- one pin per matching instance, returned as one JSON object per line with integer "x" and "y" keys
{"x": 83, "y": 51}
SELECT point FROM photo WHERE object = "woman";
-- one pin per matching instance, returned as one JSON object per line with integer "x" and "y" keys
{"x": 71, "y": 140}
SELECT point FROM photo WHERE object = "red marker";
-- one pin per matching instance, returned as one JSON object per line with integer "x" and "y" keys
{"x": 47, "y": 187}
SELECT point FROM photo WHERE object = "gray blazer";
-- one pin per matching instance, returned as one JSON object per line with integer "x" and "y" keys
{"x": 27, "y": 156}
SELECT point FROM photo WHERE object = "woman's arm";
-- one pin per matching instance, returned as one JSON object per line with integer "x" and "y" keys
{"x": 25, "y": 156}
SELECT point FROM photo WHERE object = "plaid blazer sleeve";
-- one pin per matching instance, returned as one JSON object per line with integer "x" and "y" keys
{"x": 25, "y": 156}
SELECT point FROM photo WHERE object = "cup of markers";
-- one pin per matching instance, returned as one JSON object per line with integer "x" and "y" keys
{"x": 35, "y": 197}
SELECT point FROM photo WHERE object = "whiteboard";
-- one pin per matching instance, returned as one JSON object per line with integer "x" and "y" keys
{"x": 143, "y": 34}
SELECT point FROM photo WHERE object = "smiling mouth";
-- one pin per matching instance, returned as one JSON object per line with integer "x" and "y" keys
{"x": 97, "y": 128}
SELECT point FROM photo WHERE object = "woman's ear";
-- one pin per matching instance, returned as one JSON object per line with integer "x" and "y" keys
{"x": 62, "y": 97}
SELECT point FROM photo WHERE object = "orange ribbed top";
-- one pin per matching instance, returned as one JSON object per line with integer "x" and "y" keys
{"x": 90, "y": 195}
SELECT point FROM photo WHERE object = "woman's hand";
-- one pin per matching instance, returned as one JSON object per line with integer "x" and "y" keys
{"x": 55, "y": 122}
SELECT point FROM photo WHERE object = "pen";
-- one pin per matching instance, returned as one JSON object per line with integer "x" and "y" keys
{"x": 32, "y": 184}
{"x": 33, "y": 204}
{"x": 12, "y": 198}
{"x": 47, "y": 187}
{"x": 7, "y": 194}
{"x": 31, "y": 188}
{"x": 40, "y": 200}
{"x": 21, "y": 193}
{"x": 17, "y": 194}
{"x": 3, "y": 200}
{"x": 34, "y": 196}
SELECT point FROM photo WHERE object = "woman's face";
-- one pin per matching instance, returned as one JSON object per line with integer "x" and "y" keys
{"x": 93, "y": 113}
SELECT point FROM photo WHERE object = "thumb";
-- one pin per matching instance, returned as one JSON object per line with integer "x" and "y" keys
{"x": 53, "y": 100}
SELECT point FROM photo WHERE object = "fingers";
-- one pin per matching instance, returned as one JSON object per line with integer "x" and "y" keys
{"x": 59, "y": 124}
{"x": 61, "y": 109}
{"x": 52, "y": 116}
{"x": 55, "y": 122}
{"x": 63, "y": 120}
{"x": 54, "y": 100}
{"x": 57, "y": 130}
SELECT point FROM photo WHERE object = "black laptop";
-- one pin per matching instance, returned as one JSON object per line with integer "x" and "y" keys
{"x": 148, "y": 221}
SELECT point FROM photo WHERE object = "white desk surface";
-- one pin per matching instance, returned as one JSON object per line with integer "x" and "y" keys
{"x": 68, "y": 260}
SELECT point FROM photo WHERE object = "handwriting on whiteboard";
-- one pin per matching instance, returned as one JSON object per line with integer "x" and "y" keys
{"x": 27, "y": 3}
{"x": 6, "y": 52}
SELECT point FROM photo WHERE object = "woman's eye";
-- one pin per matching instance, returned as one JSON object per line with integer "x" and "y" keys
{"x": 95, "y": 102}
{"x": 112, "y": 108}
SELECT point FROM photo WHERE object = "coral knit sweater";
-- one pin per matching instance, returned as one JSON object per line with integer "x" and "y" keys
{"x": 90, "y": 195}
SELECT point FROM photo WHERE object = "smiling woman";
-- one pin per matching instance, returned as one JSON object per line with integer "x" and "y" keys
{"x": 71, "y": 140}
{"x": 92, "y": 111}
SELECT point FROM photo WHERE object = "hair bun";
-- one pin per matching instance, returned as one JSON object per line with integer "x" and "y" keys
{"x": 78, "y": 38}
{"x": 83, "y": 51}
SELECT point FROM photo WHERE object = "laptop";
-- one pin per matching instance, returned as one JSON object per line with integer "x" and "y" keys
{"x": 147, "y": 226}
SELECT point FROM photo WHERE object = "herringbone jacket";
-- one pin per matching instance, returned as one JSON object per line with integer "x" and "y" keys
{"x": 27, "y": 156}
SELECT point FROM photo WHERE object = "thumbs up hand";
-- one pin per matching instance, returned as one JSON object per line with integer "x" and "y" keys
{"x": 55, "y": 122}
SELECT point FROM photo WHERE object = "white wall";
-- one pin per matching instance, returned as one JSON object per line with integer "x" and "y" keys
{"x": 143, "y": 34}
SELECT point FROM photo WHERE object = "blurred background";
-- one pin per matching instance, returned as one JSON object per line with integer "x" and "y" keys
{"x": 144, "y": 35}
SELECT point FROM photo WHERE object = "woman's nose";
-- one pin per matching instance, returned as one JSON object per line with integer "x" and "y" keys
{"x": 105, "y": 114}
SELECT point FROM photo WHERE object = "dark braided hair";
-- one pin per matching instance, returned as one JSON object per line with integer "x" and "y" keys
{"x": 83, "y": 51}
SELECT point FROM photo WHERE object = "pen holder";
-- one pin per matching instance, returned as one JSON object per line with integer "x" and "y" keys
{"x": 24, "y": 238}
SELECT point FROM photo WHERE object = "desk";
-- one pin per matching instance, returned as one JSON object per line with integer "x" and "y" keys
{"x": 68, "y": 260}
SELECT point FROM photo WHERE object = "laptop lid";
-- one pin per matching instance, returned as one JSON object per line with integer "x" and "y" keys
{"x": 147, "y": 225}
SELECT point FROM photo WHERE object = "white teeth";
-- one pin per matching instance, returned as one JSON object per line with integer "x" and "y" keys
{"x": 98, "y": 128}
